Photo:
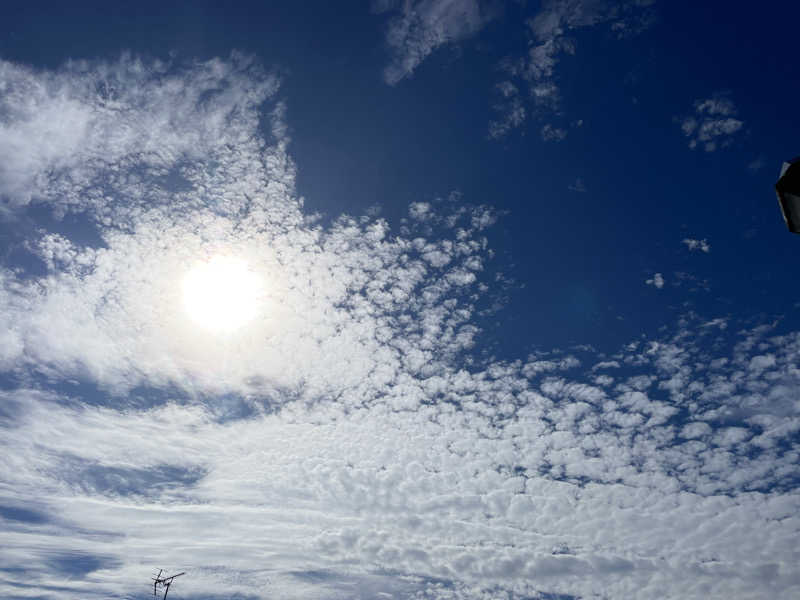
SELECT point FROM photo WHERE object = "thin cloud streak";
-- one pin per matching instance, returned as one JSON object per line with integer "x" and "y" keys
{"x": 423, "y": 26}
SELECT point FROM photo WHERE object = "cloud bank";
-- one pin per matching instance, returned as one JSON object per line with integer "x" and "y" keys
{"x": 350, "y": 442}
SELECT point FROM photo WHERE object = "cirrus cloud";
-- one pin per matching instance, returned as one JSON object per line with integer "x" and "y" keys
{"x": 424, "y": 25}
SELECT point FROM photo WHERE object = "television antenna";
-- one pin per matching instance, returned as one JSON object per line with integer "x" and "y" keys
{"x": 164, "y": 582}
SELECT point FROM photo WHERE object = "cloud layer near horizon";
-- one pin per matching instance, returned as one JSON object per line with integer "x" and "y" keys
{"x": 348, "y": 443}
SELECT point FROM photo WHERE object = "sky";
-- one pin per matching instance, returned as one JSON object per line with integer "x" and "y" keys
{"x": 422, "y": 299}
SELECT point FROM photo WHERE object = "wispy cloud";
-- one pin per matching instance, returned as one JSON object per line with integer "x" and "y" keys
{"x": 342, "y": 441}
{"x": 550, "y": 41}
{"x": 417, "y": 28}
{"x": 510, "y": 108}
{"x": 701, "y": 245}
{"x": 550, "y": 133}
{"x": 713, "y": 124}
{"x": 424, "y": 25}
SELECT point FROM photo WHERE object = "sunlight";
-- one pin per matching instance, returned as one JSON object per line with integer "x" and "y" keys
{"x": 221, "y": 294}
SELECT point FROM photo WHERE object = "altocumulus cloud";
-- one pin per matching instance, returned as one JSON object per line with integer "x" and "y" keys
{"x": 347, "y": 443}
{"x": 713, "y": 125}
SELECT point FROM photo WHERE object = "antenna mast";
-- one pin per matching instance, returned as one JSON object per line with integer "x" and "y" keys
{"x": 164, "y": 582}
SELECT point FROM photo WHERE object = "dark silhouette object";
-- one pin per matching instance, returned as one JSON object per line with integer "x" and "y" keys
{"x": 164, "y": 582}
{"x": 788, "y": 190}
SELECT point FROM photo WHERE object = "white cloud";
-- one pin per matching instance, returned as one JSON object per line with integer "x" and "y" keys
{"x": 657, "y": 280}
{"x": 534, "y": 367}
{"x": 701, "y": 245}
{"x": 421, "y": 211}
{"x": 718, "y": 105}
{"x": 553, "y": 134}
{"x": 549, "y": 30}
{"x": 718, "y": 322}
{"x": 606, "y": 364}
{"x": 713, "y": 124}
{"x": 695, "y": 430}
{"x": 417, "y": 28}
{"x": 510, "y": 108}
{"x": 423, "y": 26}
{"x": 87, "y": 117}
{"x": 340, "y": 442}
{"x": 317, "y": 488}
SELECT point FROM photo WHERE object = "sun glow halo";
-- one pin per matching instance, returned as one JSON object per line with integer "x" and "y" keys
{"x": 221, "y": 294}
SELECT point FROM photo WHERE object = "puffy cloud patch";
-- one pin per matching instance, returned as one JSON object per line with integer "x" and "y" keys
{"x": 656, "y": 281}
{"x": 713, "y": 124}
{"x": 701, "y": 245}
{"x": 550, "y": 133}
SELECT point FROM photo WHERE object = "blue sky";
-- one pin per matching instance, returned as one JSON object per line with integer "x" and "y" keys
{"x": 427, "y": 299}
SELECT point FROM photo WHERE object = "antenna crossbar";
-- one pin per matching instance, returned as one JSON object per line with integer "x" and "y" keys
{"x": 164, "y": 582}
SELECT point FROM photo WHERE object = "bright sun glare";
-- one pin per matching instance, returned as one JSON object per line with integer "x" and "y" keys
{"x": 221, "y": 294}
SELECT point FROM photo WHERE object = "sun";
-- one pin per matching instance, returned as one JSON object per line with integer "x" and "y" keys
{"x": 222, "y": 294}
